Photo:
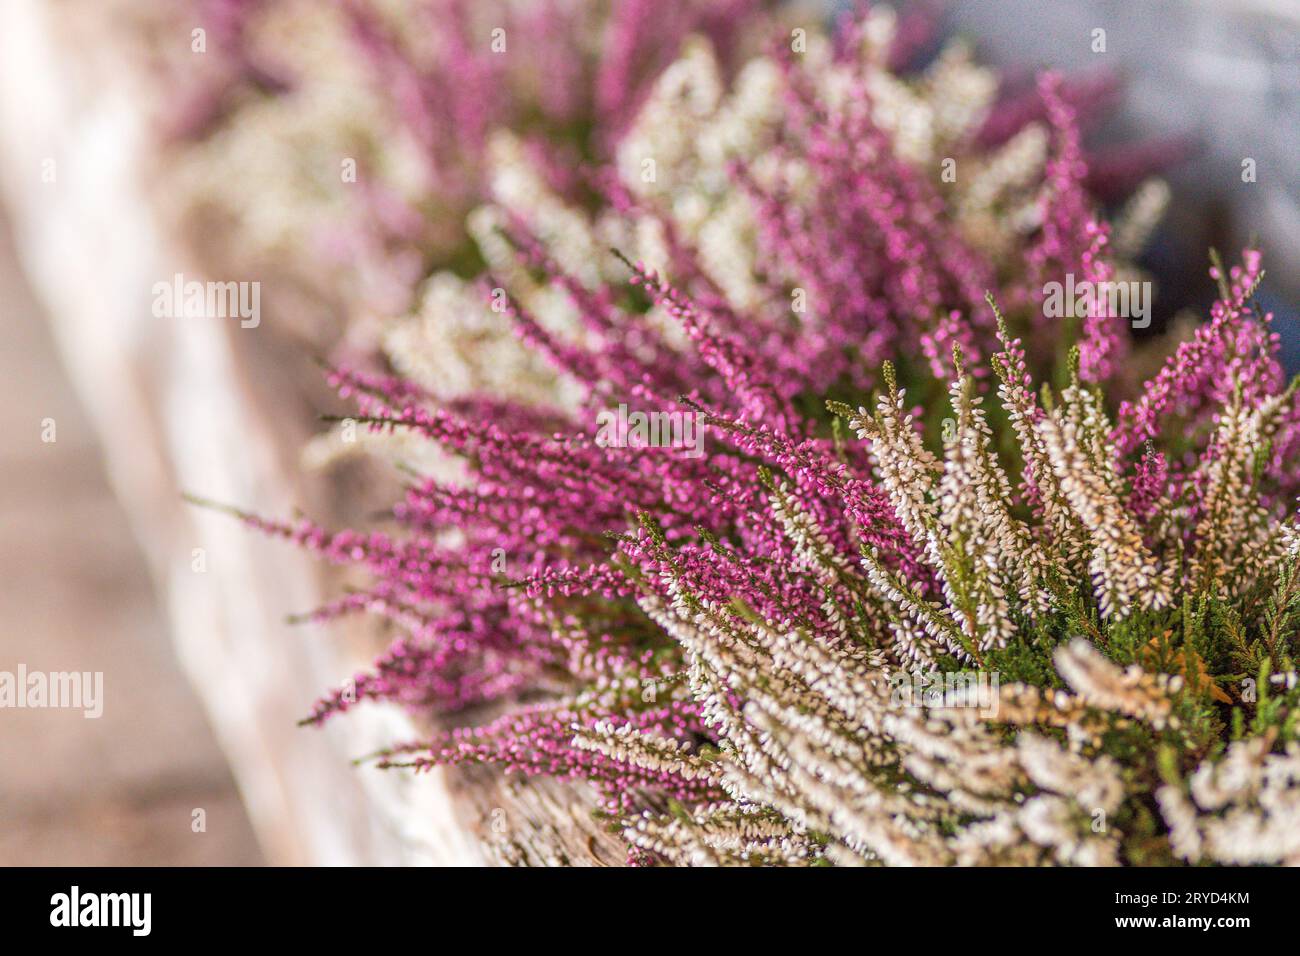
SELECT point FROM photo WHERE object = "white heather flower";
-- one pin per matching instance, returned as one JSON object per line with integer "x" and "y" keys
{"x": 1100, "y": 683}
{"x": 1139, "y": 217}
{"x": 960, "y": 91}
{"x": 1125, "y": 573}
{"x": 1246, "y": 807}
{"x": 1235, "y": 539}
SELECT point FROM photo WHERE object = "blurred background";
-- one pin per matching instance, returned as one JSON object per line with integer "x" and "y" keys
{"x": 77, "y": 595}
{"x": 126, "y": 156}
{"x": 1224, "y": 75}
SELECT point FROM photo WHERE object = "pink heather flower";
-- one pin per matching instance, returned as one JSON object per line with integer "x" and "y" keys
{"x": 1195, "y": 376}
{"x": 1149, "y": 483}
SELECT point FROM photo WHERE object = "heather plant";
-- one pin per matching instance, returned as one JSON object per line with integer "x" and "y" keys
{"x": 929, "y": 594}
{"x": 722, "y": 642}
